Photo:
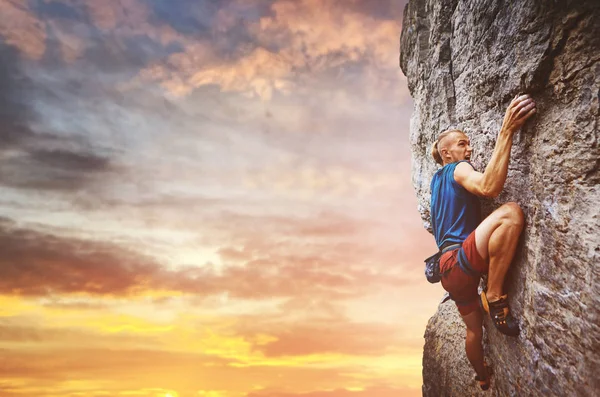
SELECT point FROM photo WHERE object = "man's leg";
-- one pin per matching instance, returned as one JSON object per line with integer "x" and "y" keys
{"x": 473, "y": 345}
{"x": 496, "y": 238}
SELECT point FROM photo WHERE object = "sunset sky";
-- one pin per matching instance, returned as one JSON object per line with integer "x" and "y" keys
{"x": 209, "y": 199}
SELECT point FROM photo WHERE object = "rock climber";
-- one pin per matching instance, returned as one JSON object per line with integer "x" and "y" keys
{"x": 472, "y": 247}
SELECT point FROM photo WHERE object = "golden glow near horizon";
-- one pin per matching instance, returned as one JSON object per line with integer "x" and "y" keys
{"x": 208, "y": 199}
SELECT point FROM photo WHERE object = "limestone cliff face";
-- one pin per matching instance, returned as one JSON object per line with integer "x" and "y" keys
{"x": 465, "y": 60}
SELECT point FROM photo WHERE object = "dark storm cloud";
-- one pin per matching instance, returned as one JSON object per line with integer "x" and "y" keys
{"x": 35, "y": 263}
{"x": 52, "y": 170}
{"x": 65, "y": 160}
{"x": 31, "y": 164}
{"x": 15, "y": 114}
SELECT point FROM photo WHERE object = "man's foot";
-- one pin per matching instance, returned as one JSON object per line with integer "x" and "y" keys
{"x": 500, "y": 314}
{"x": 485, "y": 383}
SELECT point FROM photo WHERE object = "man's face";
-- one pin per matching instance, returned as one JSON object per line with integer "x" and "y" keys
{"x": 456, "y": 147}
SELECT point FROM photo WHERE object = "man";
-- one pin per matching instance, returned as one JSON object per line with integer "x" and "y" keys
{"x": 472, "y": 247}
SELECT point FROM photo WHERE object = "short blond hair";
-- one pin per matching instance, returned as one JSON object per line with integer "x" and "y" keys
{"x": 435, "y": 152}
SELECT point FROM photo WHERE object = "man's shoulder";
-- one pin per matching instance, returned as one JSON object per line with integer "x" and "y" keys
{"x": 466, "y": 164}
{"x": 462, "y": 168}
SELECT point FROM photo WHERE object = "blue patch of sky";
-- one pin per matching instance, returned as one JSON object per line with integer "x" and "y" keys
{"x": 194, "y": 18}
{"x": 198, "y": 19}
{"x": 127, "y": 55}
{"x": 55, "y": 9}
{"x": 107, "y": 57}
{"x": 186, "y": 17}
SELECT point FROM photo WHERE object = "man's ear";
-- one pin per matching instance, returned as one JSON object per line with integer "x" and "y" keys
{"x": 444, "y": 153}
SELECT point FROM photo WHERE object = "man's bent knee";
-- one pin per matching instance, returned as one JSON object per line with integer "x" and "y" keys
{"x": 507, "y": 214}
{"x": 513, "y": 213}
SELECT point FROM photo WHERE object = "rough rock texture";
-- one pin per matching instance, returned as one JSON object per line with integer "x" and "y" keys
{"x": 465, "y": 60}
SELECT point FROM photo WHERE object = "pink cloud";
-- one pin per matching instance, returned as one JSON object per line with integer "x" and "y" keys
{"x": 22, "y": 29}
{"x": 37, "y": 263}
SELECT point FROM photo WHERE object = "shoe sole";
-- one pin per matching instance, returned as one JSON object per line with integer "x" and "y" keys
{"x": 483, "y": 302}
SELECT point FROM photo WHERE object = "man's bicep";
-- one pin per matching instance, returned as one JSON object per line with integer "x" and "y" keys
{"x": 466, "y": 176}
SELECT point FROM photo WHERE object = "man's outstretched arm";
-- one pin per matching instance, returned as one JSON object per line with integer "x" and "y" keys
{"x": 491, "y": 182}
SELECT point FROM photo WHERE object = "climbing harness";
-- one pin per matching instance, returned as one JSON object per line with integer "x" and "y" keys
{"x": 432, "y": 264}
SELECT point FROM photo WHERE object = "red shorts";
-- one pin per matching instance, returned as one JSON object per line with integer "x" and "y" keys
{"x": 462, "y": 287}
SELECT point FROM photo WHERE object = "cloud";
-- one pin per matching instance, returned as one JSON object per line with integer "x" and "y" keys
{"x": 17, "y": 333}
{"x": 52, "y": 170}
{"x": 22, "y": 29}
{"x": 206, "y": 19}
{"x": 47, "y": 368}
{"x": 125, "y": 15}
{"x": 254, "y": 349}
{"x": 278, "y": 50}
{"x": 144, "y": 372}
{"x": 38, "y": 263}
{"x": 334, "y": 336}
{"x": 112, "y": 36}
{"x": 67, "y": 160}
{"x": 277, "y": 277}
{"x": 15, "y": 114}
{"x": 311, "y": 180}
{"x": 28, "y": 158}
{"x": 127, "y": 353}
{"x": 328, "y": 238}
{"x": 256, "y": 48}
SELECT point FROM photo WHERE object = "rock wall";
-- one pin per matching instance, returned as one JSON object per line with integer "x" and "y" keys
{"x": 464, "y": 61}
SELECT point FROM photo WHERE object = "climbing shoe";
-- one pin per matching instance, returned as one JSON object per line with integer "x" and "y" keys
{"x": 500, "y": 314}
{"x": 484, "y": 384}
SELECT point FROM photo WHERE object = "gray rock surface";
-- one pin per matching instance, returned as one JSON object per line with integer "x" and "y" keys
{"x": 464, "y": 61}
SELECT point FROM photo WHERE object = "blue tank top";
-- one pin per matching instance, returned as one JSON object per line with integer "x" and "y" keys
{"x": 455, "y": 212}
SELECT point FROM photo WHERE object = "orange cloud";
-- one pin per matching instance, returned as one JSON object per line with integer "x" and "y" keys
{"x": 309, "y": 36}
{"x": 334, "y": 337}
{"x": 124, "y": 371}
{"x": 15, "y": 334}
{"x": 108, "y": 370}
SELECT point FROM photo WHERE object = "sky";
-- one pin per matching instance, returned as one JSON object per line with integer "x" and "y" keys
{"x": 208, "y": 198}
